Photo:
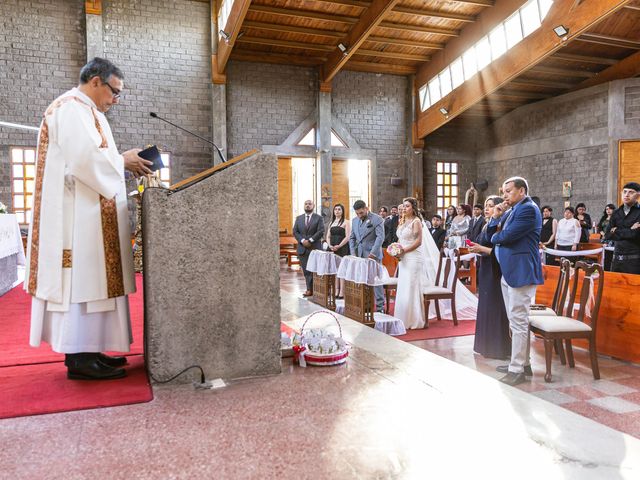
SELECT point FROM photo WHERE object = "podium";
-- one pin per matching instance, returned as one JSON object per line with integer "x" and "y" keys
{"x": 361, "y": 275}
{"x": 211, "y": 272}
{"x": 324, "y": 266}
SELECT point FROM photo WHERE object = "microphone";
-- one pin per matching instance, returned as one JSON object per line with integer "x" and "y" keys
{"x": 155, "y": 115}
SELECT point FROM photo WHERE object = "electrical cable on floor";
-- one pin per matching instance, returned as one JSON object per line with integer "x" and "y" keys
{"x": 202, "y": 379}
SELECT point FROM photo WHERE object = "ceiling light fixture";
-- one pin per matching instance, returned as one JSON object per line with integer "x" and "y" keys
{"x": 561, "y": 31}
{"x": 444, "y": 111}
{"x": 224, "y": 35}
{"x": 343, "y": 48}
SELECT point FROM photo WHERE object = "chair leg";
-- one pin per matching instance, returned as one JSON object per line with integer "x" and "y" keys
{"x": 594, "y": 358}
{"x": 560, "y": 347}
{"x": 387, "y": 297}
{"x": 454, "y": 313}
{"x": 438, "y": 309}
{"x": 426, "y": 313}
{"x": 572, "y": 363}
{"x": 548, "y": 354}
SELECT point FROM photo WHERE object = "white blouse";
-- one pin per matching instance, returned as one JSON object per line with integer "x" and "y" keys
{"x": 568, "y": 232}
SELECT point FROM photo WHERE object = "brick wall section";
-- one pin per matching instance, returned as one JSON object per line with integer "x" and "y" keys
{"x": 632, "y": 105}
{"x": 372, "y": 107}
{"x": 42, "y": 48}
{"x": 163, "y": 48}
{"x": 449, "y": 144}
{"x": 265, "y": 103}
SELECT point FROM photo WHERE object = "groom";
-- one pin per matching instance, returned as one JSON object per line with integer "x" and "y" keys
{"x": 367, "y": 235}
{"x": 516, "y": 248}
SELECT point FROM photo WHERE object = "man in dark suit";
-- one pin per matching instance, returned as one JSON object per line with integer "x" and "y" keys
{"x": 308, "y": 230}
{"x": 516, "y": 247}
{"x": 624, "y": 230}
{"x": 437, "y": 232}
{"x": 390, "y": 228}
{"x": 477, "y": 222}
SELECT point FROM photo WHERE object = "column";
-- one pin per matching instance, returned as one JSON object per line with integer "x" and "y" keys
{"x": 324, "y": 155}
{"x": 218, "y": 95}
{"x": 94, "y": 41}
{"x": 415, "y": 178}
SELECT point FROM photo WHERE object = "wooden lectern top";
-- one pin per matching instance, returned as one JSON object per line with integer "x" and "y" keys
{"x": 210, "y": 171}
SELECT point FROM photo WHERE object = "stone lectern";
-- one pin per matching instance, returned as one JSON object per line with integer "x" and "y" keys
{"x": 211, "y": 272}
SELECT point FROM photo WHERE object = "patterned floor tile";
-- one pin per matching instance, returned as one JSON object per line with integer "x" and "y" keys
{"x": 554, "y": 396}
{"x": 615, "y": 404}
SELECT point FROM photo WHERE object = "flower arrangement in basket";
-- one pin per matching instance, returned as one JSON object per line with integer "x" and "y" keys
{"x": 395, "y": 250}
{"x": 318, "y": 347}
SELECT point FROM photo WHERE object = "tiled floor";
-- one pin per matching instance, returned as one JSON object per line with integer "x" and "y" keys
{"x": 614, "y": 400}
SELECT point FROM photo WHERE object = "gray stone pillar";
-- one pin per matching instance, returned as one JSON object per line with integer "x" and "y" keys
{"x": 415, "y": 177}
{"x": 95, "y": 44}
{"x": 218, "y": 97}
{"x": 324, "y": 154}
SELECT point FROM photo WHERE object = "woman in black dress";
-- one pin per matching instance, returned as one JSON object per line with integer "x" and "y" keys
{"x": 548, "y": 232}
{"x": 337, "y": 239}
{"x": 585, "y": 222}
{"x": 492, "y": 324}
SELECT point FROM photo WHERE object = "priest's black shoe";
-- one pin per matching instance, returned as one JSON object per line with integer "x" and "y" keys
{"x": 93, "y": 370}
{"x": 112, "y": 361}
{"x": 513, "y": 379}
{"x": 505, "y": 369}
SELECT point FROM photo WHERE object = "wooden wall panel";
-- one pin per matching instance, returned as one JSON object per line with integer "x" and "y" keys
{"x": 628, "y": 164}
{"x": 285, "y": 199}
{"x": 340, "y": 179}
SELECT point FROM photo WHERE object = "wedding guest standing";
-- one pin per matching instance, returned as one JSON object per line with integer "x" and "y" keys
{"x": 585, "y": 222}
{"x": 477, "y": 222}
{"x": 625, "y": 232}
{"x": 492, "y": 338}
{"x": 516, "y": 248}
{"x": 451, "y": 213}
{"x": 338, "y": 240}
{"x": 548, "y": 232}
{"x": 390, "y": 227}
{"x": 602, "y": 228}
{"x": 568, "y": 232}
{"x": 308, "y": 230}
{"x": 459, "y": 228}
{"x": 437, "y": 232}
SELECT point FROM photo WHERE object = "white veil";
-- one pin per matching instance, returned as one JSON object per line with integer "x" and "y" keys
{"x": 466, "y": 302}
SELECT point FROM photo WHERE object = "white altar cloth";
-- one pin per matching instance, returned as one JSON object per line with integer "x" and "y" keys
{"x": 323, "y": 263}
{"x": 363, "y": 270}
{"x": 10, "y": 238}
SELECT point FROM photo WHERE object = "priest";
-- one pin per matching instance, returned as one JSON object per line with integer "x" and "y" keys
{"x": 79, "y": 264}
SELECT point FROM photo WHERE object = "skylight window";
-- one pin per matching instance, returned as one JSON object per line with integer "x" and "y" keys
{"x": 309, "y": 138}
{"x": 526, "y": 20}
{"x": 336, "y": 141}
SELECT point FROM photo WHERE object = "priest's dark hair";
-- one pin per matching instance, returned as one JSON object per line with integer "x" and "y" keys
{"x": 100, "y": 67}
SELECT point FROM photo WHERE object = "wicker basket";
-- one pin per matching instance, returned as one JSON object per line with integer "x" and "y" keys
{"x": 324, "y": 359}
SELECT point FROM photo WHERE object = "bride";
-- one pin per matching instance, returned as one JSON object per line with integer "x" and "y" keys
{"x": 417, "y": 270}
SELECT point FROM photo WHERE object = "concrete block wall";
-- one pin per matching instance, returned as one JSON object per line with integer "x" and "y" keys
{"x": 42, "y": 48}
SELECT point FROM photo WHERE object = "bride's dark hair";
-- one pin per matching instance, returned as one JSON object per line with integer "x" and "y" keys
{"x": 414, "y": 207}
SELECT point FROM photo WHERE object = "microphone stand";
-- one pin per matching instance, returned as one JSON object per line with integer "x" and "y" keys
{"x": 155, "y": 115}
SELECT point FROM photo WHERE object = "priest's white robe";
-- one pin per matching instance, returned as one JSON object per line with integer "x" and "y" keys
{"x": 79, "y": 257}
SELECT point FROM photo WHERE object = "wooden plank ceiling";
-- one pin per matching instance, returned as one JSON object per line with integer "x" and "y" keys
{"x": 402, "y": 36}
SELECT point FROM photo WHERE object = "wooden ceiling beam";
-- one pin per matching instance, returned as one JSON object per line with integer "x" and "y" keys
{"x": 420, "y": 29}
{"x": 290, "y": 12}
{"x": 518, "y": 94}
{"x": 379, "y": 68}
{"x": 529, "y": 52}
{"x": 275, "y": 27}
{"x": 570, "y": 57}
{"x": 535, "y": 82}
{"x": 418, "y": 12}
{"x": 285, "y": 43}
{"x": 397, "y": 55}
{"x": 626, "y": 68}
{"x": 406, "y": 43}
{"x": 279, "y": 58}
{"x": 232, "y": 28}
{"x": 368, "y": 21}
{"x": 609, "y": 41}
{"x": 562, "y": 72}
{"x": 480, "y": 3}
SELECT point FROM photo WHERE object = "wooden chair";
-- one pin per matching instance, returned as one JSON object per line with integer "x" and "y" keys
{"x": 565, "y": 327}
{"x": 471, "y": 274}
{"x": 391, "y": 264}
{"x": 444, "y": 288}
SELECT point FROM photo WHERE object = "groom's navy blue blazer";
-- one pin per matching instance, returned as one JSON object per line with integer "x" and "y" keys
{"x": 517, "y": 245}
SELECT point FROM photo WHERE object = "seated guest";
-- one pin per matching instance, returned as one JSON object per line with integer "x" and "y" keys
{"x": 585, "y": 222}
{"x": 492, "y": 338}
{"x": 477, "y": 222}
{"x": 437, "y": 232}
{"x": 337, "y": 239}
{"x": 624, "y": 230}
{"x": 548, "y": 232}
{"x": 459, "y": 228}
{"x": 568, "y": 232}
{"x": 390, "y": 227}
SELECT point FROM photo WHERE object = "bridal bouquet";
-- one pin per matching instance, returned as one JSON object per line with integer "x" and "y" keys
{"x": 3, "y": 208}
{"x": 395, "y": 250}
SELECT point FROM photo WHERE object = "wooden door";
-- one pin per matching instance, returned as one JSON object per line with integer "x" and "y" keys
{"x": 628, "y": 164}
{"x": 340, "y": 180}
{"x": 285, "y": 199}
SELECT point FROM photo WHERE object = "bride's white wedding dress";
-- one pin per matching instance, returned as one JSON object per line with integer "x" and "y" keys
{"x": 417, "y": 271}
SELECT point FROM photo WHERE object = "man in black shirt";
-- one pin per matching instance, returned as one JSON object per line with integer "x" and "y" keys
{"x": 624, "y": 230}
{"x": 437, "y": 232}
{"x": 390, "y": 227}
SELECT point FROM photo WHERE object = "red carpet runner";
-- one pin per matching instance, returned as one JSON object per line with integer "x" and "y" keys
{"x": 438, "y": 329}
{"x": 33, "y": 380}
